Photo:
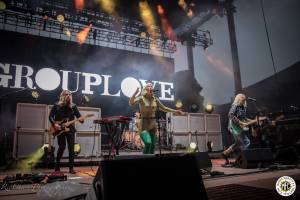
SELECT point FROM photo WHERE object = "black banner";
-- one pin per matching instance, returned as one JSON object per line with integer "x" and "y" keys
{"x": 107, "y": 76}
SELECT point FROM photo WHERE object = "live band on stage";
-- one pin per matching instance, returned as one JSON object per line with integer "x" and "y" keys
{"x": 145, "y": 129}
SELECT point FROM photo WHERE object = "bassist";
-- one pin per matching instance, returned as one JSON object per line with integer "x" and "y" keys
{"x": 65, "y": 110}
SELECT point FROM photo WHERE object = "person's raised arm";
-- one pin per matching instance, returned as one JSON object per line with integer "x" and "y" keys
{"x": 167, "y": 109}
{"x": 133, "y": 99}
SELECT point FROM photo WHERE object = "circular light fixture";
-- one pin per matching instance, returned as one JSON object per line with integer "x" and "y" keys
{"x": 77, "y": 148}
{"x": 2, "y": 5}
{"x": 143, "y": 34}
{"x": 194, "y": 108}
{"x": 60, "y": 18}
{"x": 209, "y": 108}
{"x": 85, "y": 99}
{"x": 67, "y": 32}
{"x": 35, "y": 94}
{"x": 193, "y": 145}
{"x": 178, "y": 104}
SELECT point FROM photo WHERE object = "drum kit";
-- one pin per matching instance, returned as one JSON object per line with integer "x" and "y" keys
{"x": 131, "y": 138}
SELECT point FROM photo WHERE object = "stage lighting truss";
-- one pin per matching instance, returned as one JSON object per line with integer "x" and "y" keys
{"x": 42, "y": 21}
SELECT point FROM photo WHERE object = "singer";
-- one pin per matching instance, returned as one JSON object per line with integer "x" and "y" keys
{"x": 148, "y": 104}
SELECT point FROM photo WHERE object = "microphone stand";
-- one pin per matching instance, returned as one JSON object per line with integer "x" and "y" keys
{"x": 197, "y": 147}
{"x": 258, "y": 130}
{"x": 157, "y": 115}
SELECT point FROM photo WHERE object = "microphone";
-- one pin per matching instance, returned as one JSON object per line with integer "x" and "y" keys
{"x": 251, "y": 99}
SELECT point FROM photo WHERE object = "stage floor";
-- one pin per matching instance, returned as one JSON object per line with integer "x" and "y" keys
{"x": 236, "y": 183}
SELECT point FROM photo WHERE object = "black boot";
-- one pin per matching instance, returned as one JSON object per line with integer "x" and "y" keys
{"x": 226, "y": 154}
{"x": 226, "y": 159}
{"x": 57, "y": 167}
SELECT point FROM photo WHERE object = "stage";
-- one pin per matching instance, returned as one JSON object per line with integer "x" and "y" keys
{"x": 221, "y": 183}
{"x": 175, "y": 87}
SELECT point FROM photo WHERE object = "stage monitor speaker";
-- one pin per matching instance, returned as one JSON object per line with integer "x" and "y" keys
{"x": 287, "y": 156}
{"x": 203, "y": 160}
{"x": 170, "y": 177}
{"x": 258, "y": 157}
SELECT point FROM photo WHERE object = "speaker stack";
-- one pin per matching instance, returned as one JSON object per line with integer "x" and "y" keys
{"x": 256, "y": 158}
{"x": 167, "y": 176}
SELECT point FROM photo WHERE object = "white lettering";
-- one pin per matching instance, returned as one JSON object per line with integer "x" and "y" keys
{"x": 65, "y": 80}
{"x": 106, "y": 92}
{"x": 88, "y": 82}
{"x": 47, "y": 79}
{"x": 144, "y": 82}
{"x": 4, "y": 78}
{"x": 165, "y": 91}
{"x": 50, "y": 79}
{"x": 129, "y": 85}
{"x": 19, "y": 76}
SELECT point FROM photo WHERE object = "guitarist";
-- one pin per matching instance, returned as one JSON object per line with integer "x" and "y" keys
{"x": 237, "y": 117}
{"x": 65, "y": 110}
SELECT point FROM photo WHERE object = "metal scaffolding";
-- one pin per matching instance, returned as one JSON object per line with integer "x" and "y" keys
{"x": 122, "y": 33}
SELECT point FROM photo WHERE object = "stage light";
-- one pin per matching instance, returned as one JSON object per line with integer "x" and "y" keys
{"x": 77, "y": 149}
{"x": 209, "y": 108}
{"x": 108, "y": 6}
{"x": 143, "y": 34}
{"x": 28, "y": 163}
{"x": 160, "y": 10}
{"x": 178, "y": 104}
{"x": 194, "y": 108}
{"x": 60, "y": 18}
{"x": 35, "y": 94}
{"x": 85, "y": 100}
{"x": 2, "y": 5}
{"x": 210, "y": 145}
{"x": 148, "y": 18}
{"x": 192, "y": 147}
{"x": 67, "y": 32}
{"x": 79, "y": 4}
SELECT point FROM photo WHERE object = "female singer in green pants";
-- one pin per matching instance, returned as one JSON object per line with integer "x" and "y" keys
{"x": 148, "y": 104}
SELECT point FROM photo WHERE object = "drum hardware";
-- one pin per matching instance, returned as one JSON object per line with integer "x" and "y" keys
{"x": 131, "y": 138}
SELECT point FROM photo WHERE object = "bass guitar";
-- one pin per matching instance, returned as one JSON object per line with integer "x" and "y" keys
{"x": 238, "y": 129}
{"x": 64, "y": 125}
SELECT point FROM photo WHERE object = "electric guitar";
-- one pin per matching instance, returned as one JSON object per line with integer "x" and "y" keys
{"x": 64, "y": 125}
{"x": 238, "y": 129}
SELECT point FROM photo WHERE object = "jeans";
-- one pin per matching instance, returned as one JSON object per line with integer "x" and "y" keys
{"x": 241, "y": 141}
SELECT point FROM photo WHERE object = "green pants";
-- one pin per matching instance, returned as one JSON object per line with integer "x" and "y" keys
{"x": 149, "y": 140}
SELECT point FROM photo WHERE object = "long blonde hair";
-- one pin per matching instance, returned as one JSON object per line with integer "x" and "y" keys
{"x": 144, "y": 92}
{"x": 62, "y": 98}
{"x": 237, "y": 99}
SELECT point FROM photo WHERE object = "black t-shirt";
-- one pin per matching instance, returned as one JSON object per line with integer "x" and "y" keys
{"x": 64, "y": 113}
